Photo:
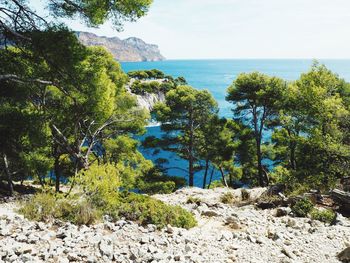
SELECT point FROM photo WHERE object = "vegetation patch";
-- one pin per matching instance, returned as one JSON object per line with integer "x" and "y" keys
{"x": 245, "y": 195}
{"x": 98, "y": 195}
{"x": 324, "y": 215}
{"x": 302, "y": 208}
{"x": 193, "y": 200}
{"x": 48, "y": 206}
{"x": 216, "y": 184}
{"x": 146, "y": 210}
{"x": 227, "y": 198}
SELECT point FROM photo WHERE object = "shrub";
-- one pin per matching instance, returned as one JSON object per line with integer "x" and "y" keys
{"x": 193, "y": 200}
{"x": 227, "y": 198}
{"x": 147, "y": 210}
{"x": 216, "y": 184}
{"x": 101, "y": 197}
{"x": 156, "y": 182}
{"x": 47, "y": 206}
{"x": 41, "y": 207}
{"x": 99, "y": 182}
{"x": 325, "y": 215}
{"x": 157, "y": 187}
{"x": 302, "y": 207}
{"x": 245, "y": 195}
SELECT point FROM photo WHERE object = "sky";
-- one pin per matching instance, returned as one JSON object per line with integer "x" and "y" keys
{"x": 202, "y": 29}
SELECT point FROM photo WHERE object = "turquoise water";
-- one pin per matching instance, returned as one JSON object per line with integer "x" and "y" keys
{"x": 216, "y": 76}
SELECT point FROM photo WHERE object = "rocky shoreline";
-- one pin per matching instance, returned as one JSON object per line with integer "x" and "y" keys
{"x": 225, "y": 233}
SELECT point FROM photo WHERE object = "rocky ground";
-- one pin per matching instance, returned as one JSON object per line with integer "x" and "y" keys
{"x": 225, "y": 233}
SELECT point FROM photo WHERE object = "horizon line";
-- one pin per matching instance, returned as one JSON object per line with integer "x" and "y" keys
{"x": 187, "y": 59}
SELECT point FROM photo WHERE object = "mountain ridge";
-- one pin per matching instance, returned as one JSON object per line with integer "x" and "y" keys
{"x": 131, "y": 49}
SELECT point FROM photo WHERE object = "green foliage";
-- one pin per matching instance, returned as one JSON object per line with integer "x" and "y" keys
{"x": 219, "y": 149}
{"x": 47, "y": 206}
{"x": 132, "y": 166}
{"x": 216, "y": 184}
{"x": 101, "y": 197}
{"x": 95, "y": 13}
{"x": 147, "y": 74}
{"x": 256, "y": 97}
{"x": 302, "y": 207}
{"x": 153, "y": 81}
{"x": 324, "y": 215}
{"x": 183, "y": 116}
{"x": 157, "y": 187}
{"x": 227, "y": 198}
{"x": 141, "y": 88}
{"x": 147, "y": 210}
{"x": 99, "y": 182}
{"x": 310, "y": 141}
{"x": 155, "y": 181}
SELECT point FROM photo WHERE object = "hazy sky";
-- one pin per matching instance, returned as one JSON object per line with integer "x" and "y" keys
{"x": 242, "y": 28}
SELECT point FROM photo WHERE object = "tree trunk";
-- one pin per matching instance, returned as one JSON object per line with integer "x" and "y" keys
{"x": 292, "y": 147}
{"x": 223, "y": 176}
{"x": 293, "y": 162}
{"x": 57, "y": 174}
{"x": 9, "y": 176}
{"x": 205, "y": 173}
{"x": 211, "y": 177}
{"x": 190, "y": 171}
{"x": 259, "y": 156}
{"x": 190, "y": 152}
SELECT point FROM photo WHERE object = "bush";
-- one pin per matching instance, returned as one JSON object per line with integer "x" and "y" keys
{"x": 147, "y": 210}
{"x": 227, "y": 198}
{"x": 101, "y": 197}
{"x": 302, "y": 207}
{"x": 156, "y": 182}
{"x": 245, "y": 195}
{"x": 325, "y": 215}
{"x": 47, "y": 206}
{"x": 193, "y": 200}
{"x": 41, "y": 207}
{"x": 157, "y": 187}
{"x": 99, "y": 182}
{"x": 216, "y": 184}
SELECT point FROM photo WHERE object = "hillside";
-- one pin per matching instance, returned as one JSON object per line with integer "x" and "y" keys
{"x": 131, "y": 49}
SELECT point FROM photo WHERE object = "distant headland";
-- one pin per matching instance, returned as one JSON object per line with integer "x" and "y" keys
{"x": 131, "y": 49}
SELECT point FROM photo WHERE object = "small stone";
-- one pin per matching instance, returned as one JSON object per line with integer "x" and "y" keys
{"x": 152, "y": 249}
{"x": 188, "y": 248}
{"x": 344, "y": 256}
{"x": 227, "y": 235}
{"x": 177, "y": 258}
{"x": 169, "y": 229}
{"x": 209, "y": 213}
{"x": 73, "y": 257}
{"x": 259, "y": 240}
{"x": 106, "y": 248}
{"x": 91, "y": 259}
{"x": 151, "y": 228}
{"x": 144, "y": 240}
{"x": 282, "y": 211}
{"x": 121, "y": 223}
{"x": 251, "y": 239}
{"x": 63, "y": 260}
{"x": 291, "y": 222}
{"x": 288, "y": 253}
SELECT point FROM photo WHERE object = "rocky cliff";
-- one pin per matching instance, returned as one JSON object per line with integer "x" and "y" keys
{"x": 130, "y": 49}
{"x": 147, "y": 100}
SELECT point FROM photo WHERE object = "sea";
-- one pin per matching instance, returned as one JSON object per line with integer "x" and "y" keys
{"x": 216, "y": 76}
